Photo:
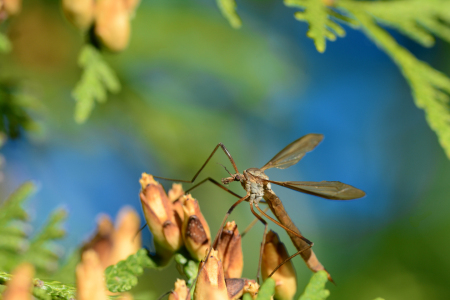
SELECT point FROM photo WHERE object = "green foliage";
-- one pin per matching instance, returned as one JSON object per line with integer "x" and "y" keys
{"x": 430, "y": 87}
{"x": 186, "y": 267}
{"x": 418, "y": 19}
{"x": 14, "y": 106}
{"x": 97, "y": 79}
{"x": 228, "y": 9}
{"x": 317, "y": 15}
{"x": 15, "y": 244}
{"x": 46, "y": 290}
{"x": 122, "y": 276}
{"x": 5, "y": 44}
{"x": 315, "y": 290}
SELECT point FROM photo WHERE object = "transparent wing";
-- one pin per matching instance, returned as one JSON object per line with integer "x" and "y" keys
{"x": 293, "y": 152}
{"x": 333, "y": 190}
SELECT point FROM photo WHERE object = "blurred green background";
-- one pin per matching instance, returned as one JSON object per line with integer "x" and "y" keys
{"x": 190, "y": 81}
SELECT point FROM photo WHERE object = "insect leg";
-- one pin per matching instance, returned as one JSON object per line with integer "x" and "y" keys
{"x": 203, "y": 166}
{"x": 250, "y": 226}
{"x": 289, "y": 258}
{"x": 261, "y": 250}
{"x": 216, "y": 183}
{"x": 284, "y": 227}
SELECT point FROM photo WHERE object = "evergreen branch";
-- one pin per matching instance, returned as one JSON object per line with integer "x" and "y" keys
{"x": 187, "y": 267}
{"x": 228, "y": 9}
{"x": 97, "y": 79}
{"x": 430, "y": 87}
{"x": 321, "y": 26}
{"x": 38, "y": 254}
{"x": 5, "y": 44}
{"x": 46, "y": 290}
{"x": 122, "y": 276}
{"x": 416, "y": 18}
{"x": 315, "y": 290}
{"x": 11, "y": 209}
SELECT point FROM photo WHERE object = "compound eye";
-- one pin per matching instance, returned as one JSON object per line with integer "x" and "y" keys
{"x": 237, "y": 178}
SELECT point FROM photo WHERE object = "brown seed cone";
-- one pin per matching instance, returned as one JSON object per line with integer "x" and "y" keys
{"x": 12, "y": 7}
{"x": 236, "y": 287}
{"x": 21, "y": 284}
{"x": 160, "y": 215}
{"x": 230, "y": 251}
{"x": 175, "y": 192}
{"x": 90, "y": 278}
{"x": 112, "y": 24}
{"x": 275, "y": 253}
{"x": 211, "y": 280}
{"x": 180, "y": 292}
{"x": 195, "y": 230}
{"x": 113, "y": 245}
{"x": 125, "y": 239}
{"x": 79, "y": 12}
{"x": 102, "y": 242}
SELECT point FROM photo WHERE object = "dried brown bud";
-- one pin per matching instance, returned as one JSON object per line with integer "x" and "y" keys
{"x": 90, "y": 278}
{"x": 112, "y": 24}
{"x": 230, "y": 251}
{"x": 79, "y": 12}
{"x": 175, "y": 192}
{"x": 113, "y": 245}
{"x": 102, "y": 242}
{"x": 236, "y": 287}
{"x": 12, "y": 7}
{"x": 159, "y": 213}
{"x": 21, "y": 284}
{"x": 275, "y": 253}
{"x": 196, "y": 234}
{"x": 211, "y": 281}
{"x": 125, "y": 240}
{"x": 180, "y": 292}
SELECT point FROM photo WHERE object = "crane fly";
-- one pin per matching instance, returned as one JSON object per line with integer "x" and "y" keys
{"x": 258, "y": 186}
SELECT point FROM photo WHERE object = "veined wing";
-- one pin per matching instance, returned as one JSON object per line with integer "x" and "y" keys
{"x": 333, "y": 190}
{"x": 293, "y": 152}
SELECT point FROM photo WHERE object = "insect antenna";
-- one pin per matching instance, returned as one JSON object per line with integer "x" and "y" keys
{"x": 225, "y": 169}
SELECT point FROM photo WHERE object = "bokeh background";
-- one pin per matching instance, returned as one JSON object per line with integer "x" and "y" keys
{"x": 189, "y": 82}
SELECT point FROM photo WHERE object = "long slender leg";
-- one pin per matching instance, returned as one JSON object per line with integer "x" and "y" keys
{"x": 216, "y": 183}
{"x": 261, "y": 250}
{"x": 213, "y": 245}
{"x": 198, "y": 172}
{"x": 284, "y": 227}
{"x": 289, "y": 258}
{"x": 250, "y": 226}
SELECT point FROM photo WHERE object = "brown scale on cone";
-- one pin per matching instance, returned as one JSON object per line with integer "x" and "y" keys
{"x": 230, "y": 251}
{"x": 195, "y": 230}
{"x": 237, "y": 287}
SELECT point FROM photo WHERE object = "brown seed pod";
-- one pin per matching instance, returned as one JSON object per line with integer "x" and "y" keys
{"x": 236, "y": 287}
{"x": 180, "y": 292}
{"x": 12, "y": 7}
{"x": 160, "y": 215}
{"x": 21, "y": 284}
{"x": 275, "y": 253}
{"x": 112, "y": 24}
{"x": 79, "y": 12}
{"x": 211, "y": 280}
{"x": 230, "y": 251}
{"x": 90, "y": 278}
{"x": 195, "y": 230}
